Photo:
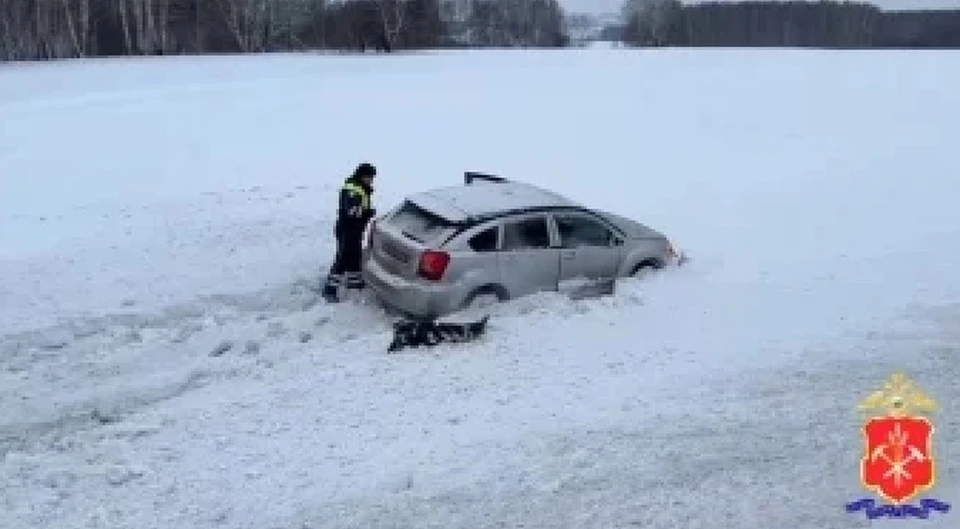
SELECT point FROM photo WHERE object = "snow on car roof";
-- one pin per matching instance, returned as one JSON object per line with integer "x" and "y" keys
{"x": 460, "y": 203}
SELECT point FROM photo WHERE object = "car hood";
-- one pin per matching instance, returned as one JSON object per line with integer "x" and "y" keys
{"x": 632, "y": 228}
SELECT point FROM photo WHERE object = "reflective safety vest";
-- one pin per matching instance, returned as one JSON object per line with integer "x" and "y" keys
{"x": 359, "y": 191}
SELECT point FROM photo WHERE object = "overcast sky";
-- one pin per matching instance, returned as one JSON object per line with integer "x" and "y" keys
{"x": 613, "y": 6}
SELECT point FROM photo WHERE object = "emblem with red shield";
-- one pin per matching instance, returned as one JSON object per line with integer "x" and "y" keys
{"x": 898, "y": 461}
{"x": 898, "y": 464}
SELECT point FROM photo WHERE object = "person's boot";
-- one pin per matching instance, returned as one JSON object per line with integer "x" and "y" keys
{"x": 330, "y": 289}
{"x": 330, "y": 294}
{"x": 355, "y": 281}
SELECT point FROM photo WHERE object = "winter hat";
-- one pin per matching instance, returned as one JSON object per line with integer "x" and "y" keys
{"x": 365, "y": 169}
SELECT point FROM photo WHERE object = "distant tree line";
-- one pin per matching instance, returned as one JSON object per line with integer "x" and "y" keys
{"x": 509, "y": 23}
{"x": 826, "y": 24}
{"x": 52, "y": 29}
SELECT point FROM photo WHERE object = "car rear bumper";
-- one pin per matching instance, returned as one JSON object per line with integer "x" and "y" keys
{"x": 414, "y": 298}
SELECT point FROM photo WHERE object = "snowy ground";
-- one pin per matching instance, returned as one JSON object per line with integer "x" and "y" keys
{"x": 153, "y": 210}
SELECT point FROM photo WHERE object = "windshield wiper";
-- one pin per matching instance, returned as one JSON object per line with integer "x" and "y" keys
{"x": 408, "y": 234}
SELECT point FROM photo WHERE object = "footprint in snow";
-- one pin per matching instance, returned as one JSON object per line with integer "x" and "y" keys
{"x": 275, "y": 329}
{"x": 221, "y": 348}
{"x": 252, "y": 347}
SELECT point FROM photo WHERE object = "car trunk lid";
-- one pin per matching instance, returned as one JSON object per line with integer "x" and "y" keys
{"x": 401, "y": 238}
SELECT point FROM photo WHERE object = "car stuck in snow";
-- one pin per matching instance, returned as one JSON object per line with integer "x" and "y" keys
{"x": 491, "y": 239}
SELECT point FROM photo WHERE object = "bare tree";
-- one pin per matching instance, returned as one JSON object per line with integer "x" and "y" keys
{"x": 77, "y": 13}
{"x": 528, "y": 23}
{"x": 392, "y": 17}
{"x": 51, "y": 29}
{"x": 649, "y": 22}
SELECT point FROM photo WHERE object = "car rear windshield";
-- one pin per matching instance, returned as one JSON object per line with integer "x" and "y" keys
{"x": 418, "y": 223}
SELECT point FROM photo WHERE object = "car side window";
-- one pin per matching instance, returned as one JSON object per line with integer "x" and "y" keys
{"x": 526, "y": 234}
{"x": 485, "y": 241}
{"x": 580, "y": 230}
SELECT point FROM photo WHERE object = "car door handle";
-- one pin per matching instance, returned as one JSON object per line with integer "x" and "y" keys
{"x": 569, "y": 255}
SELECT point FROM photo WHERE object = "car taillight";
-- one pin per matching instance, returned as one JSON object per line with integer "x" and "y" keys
{"x": 433, "y": 263}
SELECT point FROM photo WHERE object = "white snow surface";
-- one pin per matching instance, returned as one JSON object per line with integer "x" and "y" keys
{"x": 153, "y": 210}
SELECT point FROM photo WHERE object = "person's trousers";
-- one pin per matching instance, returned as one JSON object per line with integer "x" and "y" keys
{"x": 346, "y": 263}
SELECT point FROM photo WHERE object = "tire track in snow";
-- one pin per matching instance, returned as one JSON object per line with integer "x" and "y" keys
{"x": 93, "y": 412}
{"x": 345, "y": 348}
{"x": 97, "y": 371}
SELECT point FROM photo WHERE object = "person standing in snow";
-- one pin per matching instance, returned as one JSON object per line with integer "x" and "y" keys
{"x": 353, "y": 214}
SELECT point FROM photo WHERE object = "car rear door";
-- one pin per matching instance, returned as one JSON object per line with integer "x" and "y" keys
{"x": 589, "y": 249}
{"x": 528, "y": 262}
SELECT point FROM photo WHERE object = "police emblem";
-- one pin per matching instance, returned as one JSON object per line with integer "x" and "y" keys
{"x": 898, "y": 462}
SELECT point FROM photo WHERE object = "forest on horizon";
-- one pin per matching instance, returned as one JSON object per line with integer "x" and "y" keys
{"x": 33, "y": 30}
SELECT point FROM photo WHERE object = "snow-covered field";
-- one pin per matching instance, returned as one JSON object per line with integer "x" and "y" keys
{"x": 153, "y": 210}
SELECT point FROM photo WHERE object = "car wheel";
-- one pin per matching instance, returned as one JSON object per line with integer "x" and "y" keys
{"x": 645, "y": 268}
{"x": 483, "y": 298}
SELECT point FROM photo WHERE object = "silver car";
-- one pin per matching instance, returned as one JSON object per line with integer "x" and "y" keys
{"x": 443, "y": 250}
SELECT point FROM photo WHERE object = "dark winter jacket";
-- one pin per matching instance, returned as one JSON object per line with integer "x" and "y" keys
{"x": 355, "y": 209}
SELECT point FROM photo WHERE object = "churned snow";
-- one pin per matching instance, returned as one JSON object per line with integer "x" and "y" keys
{"x": 165, "y": 361}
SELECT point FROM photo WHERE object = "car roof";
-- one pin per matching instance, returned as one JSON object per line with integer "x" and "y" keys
{"x": 476, "y": 201}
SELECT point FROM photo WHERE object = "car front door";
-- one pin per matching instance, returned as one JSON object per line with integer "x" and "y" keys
{"x": 528, "y": 262}
{"x": 588, "y": 248}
